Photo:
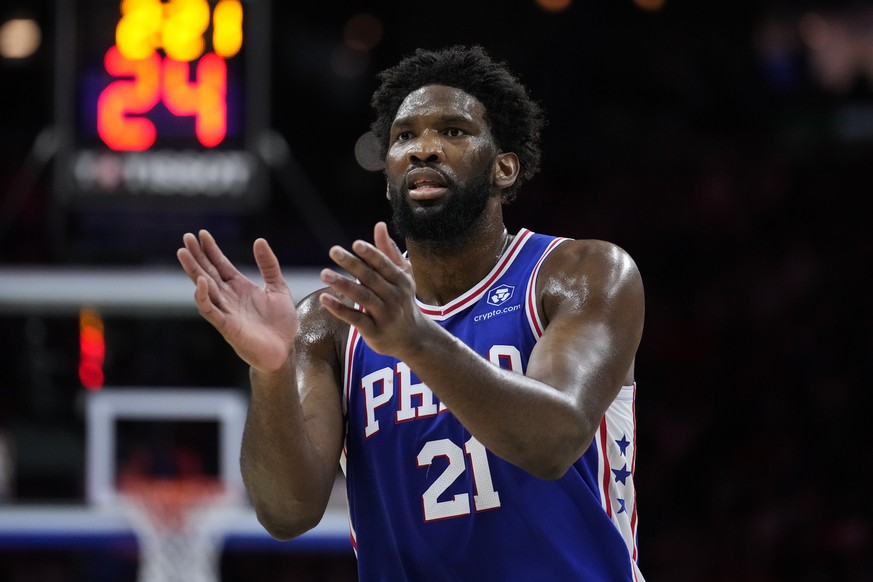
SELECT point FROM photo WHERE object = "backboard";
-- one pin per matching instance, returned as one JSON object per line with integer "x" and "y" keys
{"x": 115, "y": 415}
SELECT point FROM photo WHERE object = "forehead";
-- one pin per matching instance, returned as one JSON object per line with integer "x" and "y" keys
{"x": 440, "y": 101}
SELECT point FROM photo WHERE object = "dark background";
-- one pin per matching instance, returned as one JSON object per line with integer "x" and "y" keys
{"x": 716, "y": 142}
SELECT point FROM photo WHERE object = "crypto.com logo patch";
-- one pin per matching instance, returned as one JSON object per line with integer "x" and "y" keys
{"x": 500, "y": 294}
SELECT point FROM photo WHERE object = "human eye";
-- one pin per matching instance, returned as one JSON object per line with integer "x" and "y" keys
{"x": 403, "y": 136}
{"x": 454, "y": 132}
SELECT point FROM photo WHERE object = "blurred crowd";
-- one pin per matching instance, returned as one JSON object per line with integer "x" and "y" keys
{"x": 737, "y": 176}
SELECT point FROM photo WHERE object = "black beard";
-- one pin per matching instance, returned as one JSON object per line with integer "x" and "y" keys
{"x": 447, "y": 226}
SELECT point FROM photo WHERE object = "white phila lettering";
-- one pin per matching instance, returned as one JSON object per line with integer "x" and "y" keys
{"x": 372, "y": 401}
{"x": 405, "y": 410}
{"x": 379, "y": 388}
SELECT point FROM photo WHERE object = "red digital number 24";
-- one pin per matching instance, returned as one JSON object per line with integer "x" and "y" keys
{"x": 146, "y": 82}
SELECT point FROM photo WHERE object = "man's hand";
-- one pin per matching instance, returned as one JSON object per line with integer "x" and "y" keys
{"x": 260, "y": 324}
{"x": 383, "y": 287}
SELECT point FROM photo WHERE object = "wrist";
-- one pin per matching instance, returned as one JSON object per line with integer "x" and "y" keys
{"x": 271, "y": 375}
{"x": 423, "y": 343}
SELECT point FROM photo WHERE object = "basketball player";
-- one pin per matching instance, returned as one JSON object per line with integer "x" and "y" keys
{"x": 478, "y": 389}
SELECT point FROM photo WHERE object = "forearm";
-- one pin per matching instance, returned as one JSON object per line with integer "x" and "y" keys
{"x": 522, "y": 420}
{"x": 283, "y": 469}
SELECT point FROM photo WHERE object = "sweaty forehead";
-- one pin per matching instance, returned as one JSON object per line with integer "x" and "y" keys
{"x": 440, "y": 101}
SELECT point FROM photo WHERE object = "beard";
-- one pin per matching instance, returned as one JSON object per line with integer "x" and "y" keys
{"x": 449, "y": 225}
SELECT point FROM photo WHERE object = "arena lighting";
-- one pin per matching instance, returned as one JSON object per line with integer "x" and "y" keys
{"x": 650, "y": 5}
{"x": 554, "y": 5}
{"x": 157, "y": 83}
{"x": 19, "y": 38}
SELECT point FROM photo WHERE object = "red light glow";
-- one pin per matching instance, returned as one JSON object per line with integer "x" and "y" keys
{"x": 92, "y": 349}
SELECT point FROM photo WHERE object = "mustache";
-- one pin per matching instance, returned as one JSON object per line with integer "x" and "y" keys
{"x": 447, "y": 177}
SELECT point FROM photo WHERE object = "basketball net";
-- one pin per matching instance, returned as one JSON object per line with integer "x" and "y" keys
{"x": 173, "y": 519}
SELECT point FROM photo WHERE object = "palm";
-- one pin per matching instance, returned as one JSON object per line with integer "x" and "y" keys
{"x": 259, "y": 323}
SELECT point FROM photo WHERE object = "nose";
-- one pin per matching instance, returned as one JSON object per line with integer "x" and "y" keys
{"x": 427, "y": 147}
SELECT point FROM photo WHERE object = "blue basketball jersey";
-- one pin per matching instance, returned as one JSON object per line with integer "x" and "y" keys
{"x": 427, "y": 501}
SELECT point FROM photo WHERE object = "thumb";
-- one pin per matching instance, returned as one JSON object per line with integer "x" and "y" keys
{"x": 268, "y": 265}
{"x": 386, "y": 244}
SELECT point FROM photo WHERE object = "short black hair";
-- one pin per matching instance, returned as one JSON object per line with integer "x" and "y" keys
{"x": 515, "y": 119}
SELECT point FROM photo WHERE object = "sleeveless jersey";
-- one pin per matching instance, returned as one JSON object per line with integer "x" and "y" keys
{"x": 427, "y": 501}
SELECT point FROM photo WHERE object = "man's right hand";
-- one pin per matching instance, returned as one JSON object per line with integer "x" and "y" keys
{"x": 260, "y": 324}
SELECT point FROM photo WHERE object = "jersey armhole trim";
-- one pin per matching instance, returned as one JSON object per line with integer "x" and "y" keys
{"x": 531, "y": 303}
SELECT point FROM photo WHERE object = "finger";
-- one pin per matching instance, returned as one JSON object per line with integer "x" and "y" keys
{"x": 205, "y": 296}
{"x": 194, "y": 259}
{"x": 352, "y": 290}
{"x": 378, "y": 262}
{"x": 386, "y": 244}
{"x": 189, "y": 263}
{"x": 351, "y": 315}
{"x": 222, "y": 266}
{"x": 191, "y": 256}
{"x": 371, "y": 290}
{"x": 268, "y": 265}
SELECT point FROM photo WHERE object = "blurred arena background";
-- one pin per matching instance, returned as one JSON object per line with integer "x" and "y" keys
{"x": 727, "y": 146}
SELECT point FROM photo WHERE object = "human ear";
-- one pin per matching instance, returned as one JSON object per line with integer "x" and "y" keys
{"x": 506, "y": 169}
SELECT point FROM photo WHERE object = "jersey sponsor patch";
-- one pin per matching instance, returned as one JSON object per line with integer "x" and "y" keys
{"x": 497, "y": 302}
{"x": 500, "y": 294}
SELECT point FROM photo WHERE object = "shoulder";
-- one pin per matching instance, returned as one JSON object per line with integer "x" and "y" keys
{"x": 590, "y": 258}
{"x": 588, "y": 272}
{"x": 320, "y": 334}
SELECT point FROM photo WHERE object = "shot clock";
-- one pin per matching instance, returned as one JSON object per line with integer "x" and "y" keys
{"x": 160, "y": 102}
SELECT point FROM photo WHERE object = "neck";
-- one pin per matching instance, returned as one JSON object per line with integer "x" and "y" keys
{"x": 445, "y": 271}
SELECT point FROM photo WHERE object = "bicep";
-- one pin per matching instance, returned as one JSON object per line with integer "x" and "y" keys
{"x": 592, "y": 298}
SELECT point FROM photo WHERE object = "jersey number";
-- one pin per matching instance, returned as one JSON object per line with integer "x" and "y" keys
{"x": 485, "y": 497}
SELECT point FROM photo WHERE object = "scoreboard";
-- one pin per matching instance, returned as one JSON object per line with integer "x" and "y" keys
{"x": 161, "y": 103}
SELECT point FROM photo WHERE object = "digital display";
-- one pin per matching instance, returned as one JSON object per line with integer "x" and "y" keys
{"x": 168, "y": 98}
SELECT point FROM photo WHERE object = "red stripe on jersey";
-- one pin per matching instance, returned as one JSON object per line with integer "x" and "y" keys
{"x": 531, "y": 288}
{"x": 483, "y": 286}
{"x": 604, "y": 436}
{"x": 350, "y": 352}
{"x": 534, "y": 315}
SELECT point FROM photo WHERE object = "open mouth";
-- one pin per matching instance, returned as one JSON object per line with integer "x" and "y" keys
{"x": 425, "y": 183}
